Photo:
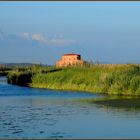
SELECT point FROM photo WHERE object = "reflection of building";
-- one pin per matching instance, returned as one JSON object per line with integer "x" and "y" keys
{"x": 70, "y": 60}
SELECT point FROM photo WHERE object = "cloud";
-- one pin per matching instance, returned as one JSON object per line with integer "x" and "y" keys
{"x": 25, "y": 35}
{"x": 55, "y": 40}
{"x": 62, "y": 41}
{"x": 40, "y": 38}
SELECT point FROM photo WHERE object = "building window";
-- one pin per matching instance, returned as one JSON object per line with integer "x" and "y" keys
{"x": 78, "y": 57}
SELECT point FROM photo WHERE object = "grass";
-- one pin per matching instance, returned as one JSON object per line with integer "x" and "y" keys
{"x": 109, "y": 79}
{"x": 4, "y": 70}
{"x": 23, "y": 75}
{"x": 20, "y": 78}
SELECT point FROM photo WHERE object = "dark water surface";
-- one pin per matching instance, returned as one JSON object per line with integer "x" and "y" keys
{"x": 41, "y": 113}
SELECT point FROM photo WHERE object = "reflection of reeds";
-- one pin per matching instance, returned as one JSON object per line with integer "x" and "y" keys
{"x": 114, "y": 79}
{"x": 121, "y": 102}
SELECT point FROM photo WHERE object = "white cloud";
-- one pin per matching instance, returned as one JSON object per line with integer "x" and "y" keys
{"x": 25, "y": 35}
{"x": 40, "y": 38}
{"x": 55, "y": 40}
{"x": 62, "y": 41}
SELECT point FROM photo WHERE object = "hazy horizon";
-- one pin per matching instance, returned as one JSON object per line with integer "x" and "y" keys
{"x": 33, "y": 32}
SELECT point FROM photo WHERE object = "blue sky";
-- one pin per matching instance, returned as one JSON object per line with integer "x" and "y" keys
{"x": 43, "y": 31}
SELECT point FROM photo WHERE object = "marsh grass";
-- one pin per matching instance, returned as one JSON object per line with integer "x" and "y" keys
{"x": 4, "y": 70}
{"x": 112, "y": 79}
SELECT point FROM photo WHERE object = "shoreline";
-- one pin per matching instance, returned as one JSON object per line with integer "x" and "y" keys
{"x": 87, "y": 91}
{"x": 120, "y": 80}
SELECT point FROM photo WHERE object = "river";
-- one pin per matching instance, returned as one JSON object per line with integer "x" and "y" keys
{"x": 42, "y": 113}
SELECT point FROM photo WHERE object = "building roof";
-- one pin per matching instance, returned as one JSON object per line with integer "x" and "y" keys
{"x": 71, "y": 54}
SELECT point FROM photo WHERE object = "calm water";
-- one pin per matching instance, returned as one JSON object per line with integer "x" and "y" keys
{"x": 41, "y": 113}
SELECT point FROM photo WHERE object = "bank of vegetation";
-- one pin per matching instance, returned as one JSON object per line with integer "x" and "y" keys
{"x": 4, "y": 70}
{"x": 109, "y": 79}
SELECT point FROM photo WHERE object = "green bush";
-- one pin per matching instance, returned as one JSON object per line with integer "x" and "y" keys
{"x": 111, "y": 79}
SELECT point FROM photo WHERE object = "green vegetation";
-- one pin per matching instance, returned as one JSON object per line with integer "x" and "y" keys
{"x": 23, "y": 75}
{"x": 20, "y": 78}
{"x": 110, "y": 79}
{"x": 4, "y": 70}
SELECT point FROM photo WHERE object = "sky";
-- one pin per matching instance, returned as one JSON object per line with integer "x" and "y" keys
{"x": 41, "y": 32}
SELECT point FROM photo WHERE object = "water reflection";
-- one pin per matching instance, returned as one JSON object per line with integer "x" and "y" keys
{"x": 39, "y": 113}
{"x": 125, "y": 107}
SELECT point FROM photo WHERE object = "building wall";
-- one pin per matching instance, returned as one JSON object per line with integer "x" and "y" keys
{"x": 70, "y": 57}
{"x": 68, "y": 60}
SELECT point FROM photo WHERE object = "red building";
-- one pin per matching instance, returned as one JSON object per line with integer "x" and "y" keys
{"x": 70, "y": 60}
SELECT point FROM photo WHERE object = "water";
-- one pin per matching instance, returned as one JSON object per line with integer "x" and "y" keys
{"x": 41, "y": 113}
